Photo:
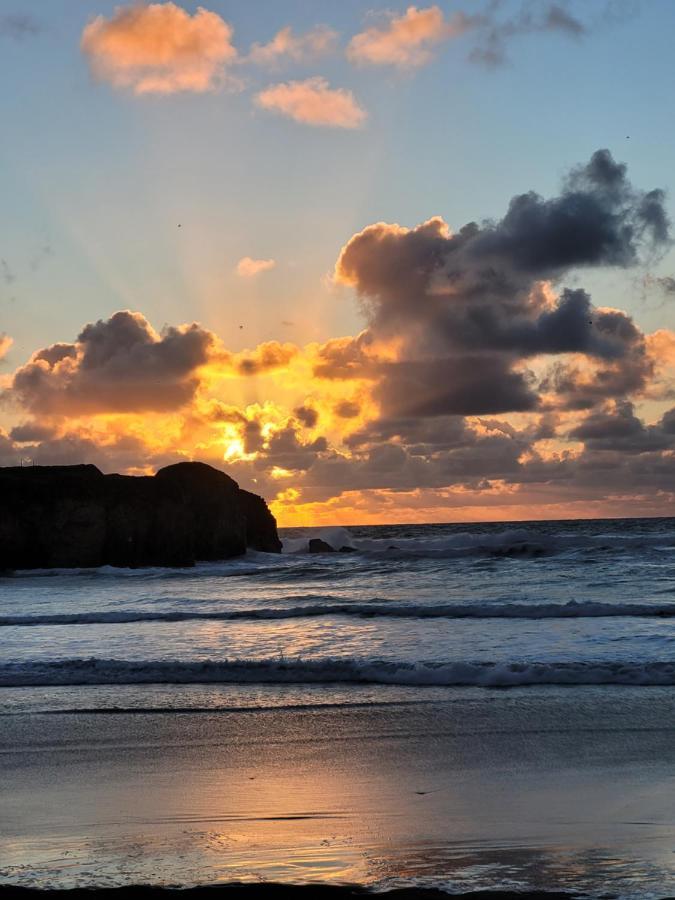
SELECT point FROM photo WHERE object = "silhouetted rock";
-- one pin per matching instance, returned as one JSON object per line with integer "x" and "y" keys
{"x": 74, "y": 516}
{"x": 347, "y": 549}
{"x": 316, "y": 545}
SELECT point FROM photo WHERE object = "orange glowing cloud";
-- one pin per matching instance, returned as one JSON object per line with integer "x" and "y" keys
{"x": 661, "y": 345}
{"x": 247, "y": 267}
{"x": 270, "y": 355}
{"x": 405, "y": 41}
{"x": 5, "y": 343}
{"x": 313, "y": 102}
{"x": 317, "y": 42}
{"x": 476, "y": 389}
{"x": 159, "y": 48}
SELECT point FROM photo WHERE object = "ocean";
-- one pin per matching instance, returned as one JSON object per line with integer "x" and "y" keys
{"x": 458, "y": 706}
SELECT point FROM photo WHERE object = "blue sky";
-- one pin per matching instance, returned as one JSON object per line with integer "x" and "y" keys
{"x": 103, "y": 177}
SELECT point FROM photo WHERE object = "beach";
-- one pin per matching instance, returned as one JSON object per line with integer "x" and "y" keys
{"x": 541, "y": 789}
{"x": 477, "y": 709}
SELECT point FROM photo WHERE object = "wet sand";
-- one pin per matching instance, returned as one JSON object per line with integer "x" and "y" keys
{"x": 267, "y": 892}
{"x": 517, "y": 790}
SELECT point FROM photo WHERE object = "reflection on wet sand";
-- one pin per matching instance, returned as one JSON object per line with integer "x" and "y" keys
{"x": 384, "y": 796}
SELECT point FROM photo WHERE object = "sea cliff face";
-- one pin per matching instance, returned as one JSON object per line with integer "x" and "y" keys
{"x": 75, "y": 516}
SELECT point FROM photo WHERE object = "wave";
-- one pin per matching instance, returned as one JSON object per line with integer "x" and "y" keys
{"x": 333, "y": 671}
{"x": 511, "y": 542}
{"x": 295, "y": 561}
{"x": 373, "y": 609}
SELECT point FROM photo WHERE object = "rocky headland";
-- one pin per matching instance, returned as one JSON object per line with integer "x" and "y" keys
{"x": 75, "y": 516}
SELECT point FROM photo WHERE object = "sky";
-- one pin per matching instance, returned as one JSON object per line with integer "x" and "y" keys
{"x": 380, "y": 263}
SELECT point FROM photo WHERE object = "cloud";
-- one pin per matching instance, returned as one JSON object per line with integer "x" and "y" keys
{"x": 285, "y": 449}
{"x": 667, "y": 284}
{"x": 465, "y": 311}
{"x": 346, "y": 357}
{"x": 406, "y": 41}
{"x": 19, "y": 26}
{"x": 117, "y": 365}
{"x": 270, "y": 355}
{"x": 313, "y": 102}
{"x": 485, "y": 383}
{"x": 5, "y": 343}
{"x": 617, "y": 428}
{"x": 347, "y": 409}
{"x": 32, "y": 432}
{"x": 298, "y": 48}
{"x": 247, "y": 267}
{"x": 307, "y": 415}
{"x": 159, "y": 48}
{"x": 494, "y": 34}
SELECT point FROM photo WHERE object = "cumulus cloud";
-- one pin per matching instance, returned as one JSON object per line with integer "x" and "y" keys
{"x": 484, "y": 380}
{"x": 120, "y": 364}
{"x": 313, "y": 102}
{"x": 406, "y": 41}
{"x": 617, "y": 428}
{"x": 286, "y": 449}
{"x": 286, "y": 45}
{"x": 466, "y": 310}
{"x": 247, "y": 267}
{"x": 159, "y": 48}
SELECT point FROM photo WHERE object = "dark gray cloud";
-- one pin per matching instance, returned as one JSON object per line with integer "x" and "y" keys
{"x": 617, "y": 428}
{"x": 461, "y": 385}
{"x": 32, "y": 432}
{"x": 598, "y": 219}
{"x": 307, "y": 415}
{"x": 494, "y": 33}
{"x": 466, "y": 310}
{"x": 347, "y": 409}
{"x": 287, "y": 450}
{"x": 116, "y": 365}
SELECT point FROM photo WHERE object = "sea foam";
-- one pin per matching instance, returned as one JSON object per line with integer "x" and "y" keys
{"x": 335, "y": 671}
{"x": 372, "y": 609}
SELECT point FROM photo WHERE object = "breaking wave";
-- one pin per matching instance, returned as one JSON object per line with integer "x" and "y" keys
{"x": 295, "y": 560}
{"x": 511, "y": 542}
{"x": 334, "y": 671}
{"x": 373, "y": 609}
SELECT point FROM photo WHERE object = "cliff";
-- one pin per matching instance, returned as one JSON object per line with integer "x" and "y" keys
{"x": 75, "y": 516}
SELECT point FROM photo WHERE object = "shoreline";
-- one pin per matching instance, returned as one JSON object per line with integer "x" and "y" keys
{"x": 271, "y": 891}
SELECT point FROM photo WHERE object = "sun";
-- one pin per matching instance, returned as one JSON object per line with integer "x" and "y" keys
{"x": 234, "y": 449}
